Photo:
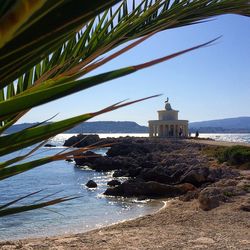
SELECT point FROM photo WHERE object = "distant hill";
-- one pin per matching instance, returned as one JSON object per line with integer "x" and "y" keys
{"x": 94, "y": 127}
{"x": 109, "y": 127}
{"x": 229, "y": 125}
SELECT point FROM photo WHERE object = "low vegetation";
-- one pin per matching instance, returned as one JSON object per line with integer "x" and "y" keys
{"x": 236, "y": 155}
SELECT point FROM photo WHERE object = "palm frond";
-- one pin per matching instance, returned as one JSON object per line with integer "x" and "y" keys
{"x": 34, "y": 135}
{"x": 21, "y": 209}
{"x": 48, "y": 47}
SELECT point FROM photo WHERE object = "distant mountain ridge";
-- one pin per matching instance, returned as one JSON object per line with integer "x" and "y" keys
{"x": 94, "y": 127}
{"x": 229, "y": 125}
{"x": 109, "y": 127}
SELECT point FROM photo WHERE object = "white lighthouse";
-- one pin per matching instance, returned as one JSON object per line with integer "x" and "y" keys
{"x": 168, "y": 124}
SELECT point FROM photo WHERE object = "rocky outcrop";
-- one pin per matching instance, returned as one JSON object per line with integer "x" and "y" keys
{"x": 149, "y": 189}
{"x": 88, "y": 158}
{"x": 81, "y": 140}
{"x": 162, "y": 168}
{"x": 197, "y": 175}
{"x": 128, "y": 148}
{"x": 158, "y": 174}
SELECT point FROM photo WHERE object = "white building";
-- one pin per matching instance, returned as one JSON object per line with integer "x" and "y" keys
{"x": 168, "y": 124}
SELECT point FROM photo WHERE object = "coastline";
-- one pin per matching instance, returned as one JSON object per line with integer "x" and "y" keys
{"x": 176, "y": 225}
{"x": 217, "y": 143}
{"x": 149, "y": 207}
{"x": 179, "y": 225}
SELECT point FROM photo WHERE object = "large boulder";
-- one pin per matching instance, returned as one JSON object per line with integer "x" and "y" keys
{"x": 210, "y": 198}
{"x": 200, "y": 174}
{"x": 195, "y": 175}
{"x": 81, "y": 140}
{"x": 139, "y": 188}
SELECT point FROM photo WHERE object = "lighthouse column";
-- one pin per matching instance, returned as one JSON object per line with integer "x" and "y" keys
{"x": 151, "y": 130}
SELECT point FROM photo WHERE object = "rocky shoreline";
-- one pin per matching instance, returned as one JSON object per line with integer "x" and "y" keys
{"x": 222, "y": 191}
{"x": 160, "y": 168}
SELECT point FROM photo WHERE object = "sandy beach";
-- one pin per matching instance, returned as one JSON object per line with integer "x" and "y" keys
{"x": 178, "y": 225}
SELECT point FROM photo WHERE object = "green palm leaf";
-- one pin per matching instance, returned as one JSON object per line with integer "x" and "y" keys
{"x": 46, "y": 93}
{"x": 33, "y": 135}
{"x": 21, "y": 209}
{"x": 48, "y": 47}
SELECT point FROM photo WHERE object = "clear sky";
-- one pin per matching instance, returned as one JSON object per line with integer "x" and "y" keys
{"x": 209, "y": 83}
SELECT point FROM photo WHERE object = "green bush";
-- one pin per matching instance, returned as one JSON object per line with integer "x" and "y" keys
{"x": 235, "y": 155}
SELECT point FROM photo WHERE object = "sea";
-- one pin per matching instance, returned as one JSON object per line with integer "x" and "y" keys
{"x": 89, "y": 211}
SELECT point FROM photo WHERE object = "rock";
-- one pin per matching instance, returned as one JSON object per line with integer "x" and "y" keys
{"x": 186, "y": 187}
{"x": 91, "y": 184}
{"x": 244, "y": 185}
{"x": 195, "y": 175}
{"x": 245, "y": 206}
{"x": 114, "y": 191}
{"x": 158, "y": 174}
{"x": 69, "y": 160}
{"x": 81, "y": 140}
{"x": 226, "y": 183}
{"x": 120, "y": 173}
{"x": 232, "y": 191}
{"x": 88, "y": 158}
{"x": 112, "y": 163}
{"x": 106, "y": 163}
{"x": 113, "y": 183}
{"x": 134, "y": 171}
{"x": 49, "y": 145}
{"x": 210, "y": 198}
{"x": 127, "y": 148}
{"x": 190, "y": 195}
{"x": 216, "y": 174}
{"x": 139, "y": 188}
{"x": 199, "y": 175}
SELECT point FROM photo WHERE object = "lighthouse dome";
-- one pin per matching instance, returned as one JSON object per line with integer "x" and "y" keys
{"x": 168, "y": 106}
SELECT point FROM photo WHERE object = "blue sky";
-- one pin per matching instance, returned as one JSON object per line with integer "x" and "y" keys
{"x": 209, "y": 83}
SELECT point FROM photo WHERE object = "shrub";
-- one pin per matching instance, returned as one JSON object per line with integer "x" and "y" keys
{"x": 237, "y": 155}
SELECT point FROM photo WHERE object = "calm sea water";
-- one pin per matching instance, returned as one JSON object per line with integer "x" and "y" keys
{"x": 243, "y": 137}
{"x": 90, "y": 211}
{"x": 228, "y": 137}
